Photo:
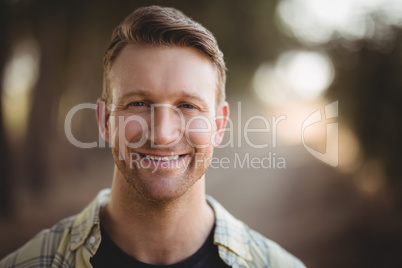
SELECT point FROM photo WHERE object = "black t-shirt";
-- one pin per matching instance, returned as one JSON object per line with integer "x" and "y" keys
{"x": 110, "y": 255}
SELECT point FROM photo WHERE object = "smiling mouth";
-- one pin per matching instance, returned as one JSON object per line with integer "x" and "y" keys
{"x": 161, "y": 158}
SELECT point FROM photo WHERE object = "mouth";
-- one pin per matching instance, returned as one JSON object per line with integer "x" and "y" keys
{"x": 160, "y": 162}
{"x": 161, "y": 158}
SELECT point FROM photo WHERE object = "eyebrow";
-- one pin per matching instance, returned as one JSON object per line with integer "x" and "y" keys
{"x": 145, "y": 93}
{"x": 137, "y": 92}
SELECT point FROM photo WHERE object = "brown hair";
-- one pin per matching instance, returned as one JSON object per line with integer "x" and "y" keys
{"x": 163, "y": 26}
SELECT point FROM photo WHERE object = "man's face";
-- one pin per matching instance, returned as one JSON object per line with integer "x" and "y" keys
{"x": 162, "y": 125}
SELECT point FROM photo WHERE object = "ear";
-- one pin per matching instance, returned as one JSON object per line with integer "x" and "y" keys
{"x": 102, "y": 116}
{"x": 221, "y": 119}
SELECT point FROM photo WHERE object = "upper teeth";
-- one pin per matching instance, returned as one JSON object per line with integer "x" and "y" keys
{"x": 163, "y": 158}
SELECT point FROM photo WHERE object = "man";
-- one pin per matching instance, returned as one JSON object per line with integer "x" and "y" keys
{"x": 163, "y": 111}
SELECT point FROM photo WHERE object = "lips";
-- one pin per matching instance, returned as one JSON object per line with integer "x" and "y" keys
{"x": 161, "y": 158}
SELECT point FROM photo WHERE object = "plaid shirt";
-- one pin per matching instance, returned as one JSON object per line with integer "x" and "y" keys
{"x": 73, "y": 241}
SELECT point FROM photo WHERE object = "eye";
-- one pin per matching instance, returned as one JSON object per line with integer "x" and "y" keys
{"x": 137, "y": 104}
{"x": 187, "y": 106}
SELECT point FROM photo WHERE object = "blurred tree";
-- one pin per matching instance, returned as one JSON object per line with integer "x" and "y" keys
{"x": 369, "y": 83}
{"x": 5, "y": 162}
{"x": 48, "y": 20}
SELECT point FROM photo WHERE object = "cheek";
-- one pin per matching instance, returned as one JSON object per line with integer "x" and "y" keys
{"x": 128, "y": 129}
{"x": 199, "y": 132}
{"x": 135, "y": 130}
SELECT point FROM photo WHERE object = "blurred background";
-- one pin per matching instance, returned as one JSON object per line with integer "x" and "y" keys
{"x": 287, "y": 60}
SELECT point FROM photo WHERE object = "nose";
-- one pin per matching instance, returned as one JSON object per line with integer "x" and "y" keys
{"x": 165, "y": 127}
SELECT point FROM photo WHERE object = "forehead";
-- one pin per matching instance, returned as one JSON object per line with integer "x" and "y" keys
{"x": 163, "y": 71}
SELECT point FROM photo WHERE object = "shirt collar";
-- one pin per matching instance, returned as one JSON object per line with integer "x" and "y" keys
{"x": 87, "y": 219}
{"x": 229, "y": 231}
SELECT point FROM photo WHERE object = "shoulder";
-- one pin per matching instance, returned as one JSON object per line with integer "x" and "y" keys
{"x": 240, "y": 244}
{"x": 41, "y": 250}
{"x": 55, "y": 247}
{"x": 264, "y": 250}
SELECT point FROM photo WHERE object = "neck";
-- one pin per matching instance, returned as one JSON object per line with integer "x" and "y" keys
{"x": 157, "y": 233}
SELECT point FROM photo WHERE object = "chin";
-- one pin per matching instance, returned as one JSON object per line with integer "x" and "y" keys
{"x": 158, "y": 188}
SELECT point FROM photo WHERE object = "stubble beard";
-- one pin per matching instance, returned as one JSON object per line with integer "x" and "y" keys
{"x": 137, "y": 179}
